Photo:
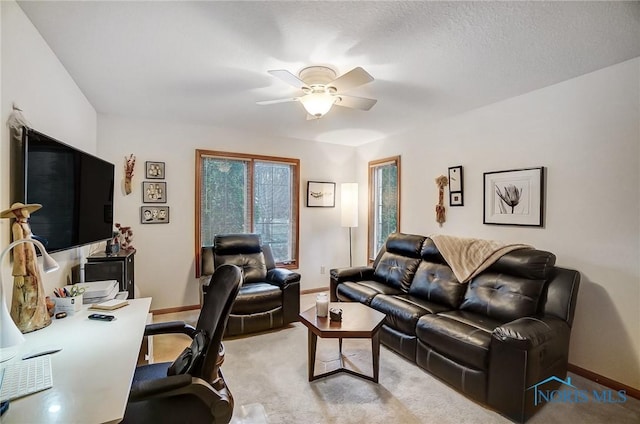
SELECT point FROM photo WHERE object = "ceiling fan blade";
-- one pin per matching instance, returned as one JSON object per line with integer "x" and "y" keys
{"x": 289, "y": 78}
{"x": 353, "y": 78}
{"x": 353, "y": 102}
{"x": 272, "y": 102}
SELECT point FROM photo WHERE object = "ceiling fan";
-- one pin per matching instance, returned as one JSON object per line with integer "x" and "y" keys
{"x": 322, "y": 89}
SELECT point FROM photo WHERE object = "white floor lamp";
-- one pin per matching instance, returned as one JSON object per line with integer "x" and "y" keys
{"x": 349, "y": 205}
{"x": 10, "y": 335}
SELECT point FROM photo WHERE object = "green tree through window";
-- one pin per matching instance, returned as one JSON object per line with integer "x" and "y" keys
{"x": 384, "y": 202}
{"x": 239, "y": 193}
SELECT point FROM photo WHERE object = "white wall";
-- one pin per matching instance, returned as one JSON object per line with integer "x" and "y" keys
{"x": 34, "y": 78}
{"x": 586, "y": 132}
{"x": 165, "y": 267}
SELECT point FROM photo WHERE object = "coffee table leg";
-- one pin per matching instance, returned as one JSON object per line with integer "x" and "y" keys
{"x": 313, "y": 342}
{"x": 375, "y": 352}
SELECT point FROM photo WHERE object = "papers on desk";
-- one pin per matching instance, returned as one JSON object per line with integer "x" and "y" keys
{"x": 109, "y": 305}
{"x": 97, "y": 291}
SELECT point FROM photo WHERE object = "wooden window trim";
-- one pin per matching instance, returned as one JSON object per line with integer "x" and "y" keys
{"x": 295, "y": 202}
{"x": 372, "y": 164}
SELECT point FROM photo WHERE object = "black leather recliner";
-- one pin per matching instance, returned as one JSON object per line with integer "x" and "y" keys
{"x": 269, "y": 297}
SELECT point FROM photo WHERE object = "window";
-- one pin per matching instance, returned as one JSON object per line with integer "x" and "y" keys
{"x": 384, "y": 202}
{"x": 239, "y": 193}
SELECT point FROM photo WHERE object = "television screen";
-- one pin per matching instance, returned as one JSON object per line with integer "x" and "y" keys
{"x": 74, "y": 188}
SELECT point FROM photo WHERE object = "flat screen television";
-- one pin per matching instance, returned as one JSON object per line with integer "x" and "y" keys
{"x": 74, "y": 188}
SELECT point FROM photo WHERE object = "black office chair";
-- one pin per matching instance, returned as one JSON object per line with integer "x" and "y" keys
{"x": 192, "y": 388}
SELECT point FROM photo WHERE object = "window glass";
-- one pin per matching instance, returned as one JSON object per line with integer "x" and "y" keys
{"x": 239, "y": 193}
{"x": 384, "y": 202}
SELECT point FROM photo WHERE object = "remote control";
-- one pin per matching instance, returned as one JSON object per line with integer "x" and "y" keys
{"x": 102, "y": 317}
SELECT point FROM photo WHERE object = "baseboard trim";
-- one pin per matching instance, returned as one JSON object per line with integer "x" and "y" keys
{"x": 605, "y": 381}
{"x": 316, "y": 290}
{"x": 176, "y": 309}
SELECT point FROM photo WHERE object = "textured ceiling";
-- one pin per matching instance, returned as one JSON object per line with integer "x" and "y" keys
{"x": 206, "y": 62}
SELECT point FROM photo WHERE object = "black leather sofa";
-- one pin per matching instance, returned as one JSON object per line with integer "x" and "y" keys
{"x": 269, "y": 297}
{"x": 491, "y": 338}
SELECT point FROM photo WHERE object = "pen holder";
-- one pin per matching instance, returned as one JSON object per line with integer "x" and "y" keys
{"x": 68, "y": 304}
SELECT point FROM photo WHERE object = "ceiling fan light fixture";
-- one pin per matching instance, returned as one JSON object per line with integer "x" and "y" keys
{"x": 318, "y": 104}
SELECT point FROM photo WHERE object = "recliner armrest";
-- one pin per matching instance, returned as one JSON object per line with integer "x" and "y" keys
{"x": 282, "y": 277}
{"x": 356, "y": 273}
{"x": 530, "y": 332}
{"x": 340, "y": 275}
{"x": 145, "y": 389}
{"x": 170, "y": 327}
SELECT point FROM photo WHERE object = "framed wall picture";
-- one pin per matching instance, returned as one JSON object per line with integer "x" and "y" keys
{"x": 154, "y": 214}
{"x": 154, "y": 192}
{"x": 321, "y": 194}
{"x": 154, "y": 170}
{"x": 455, "y": 186}
{"x": 514, "y": 197}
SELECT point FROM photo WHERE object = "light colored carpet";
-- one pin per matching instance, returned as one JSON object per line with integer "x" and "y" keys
{"x": 267, "y": 374}
{"x": 270, "y": 369}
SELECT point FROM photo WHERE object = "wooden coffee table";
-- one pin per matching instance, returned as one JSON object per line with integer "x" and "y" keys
{"x": 358, "y": 322}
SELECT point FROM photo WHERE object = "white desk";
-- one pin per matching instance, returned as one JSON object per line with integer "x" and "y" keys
{"x": 91, "y": 374}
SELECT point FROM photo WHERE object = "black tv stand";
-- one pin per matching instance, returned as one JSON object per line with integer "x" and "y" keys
{"x": 115, "y": 266}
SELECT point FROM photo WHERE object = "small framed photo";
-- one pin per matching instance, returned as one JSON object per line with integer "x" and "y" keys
{"x": 455, "y": 199}
{"x": 321, "y": 194}
{"x": 154, "y": 214}
{"x": 154, "y": 192}
{"x": 514, "y": 197}
{"x": 154, "y": 170}
{"x": 455, "y": 186}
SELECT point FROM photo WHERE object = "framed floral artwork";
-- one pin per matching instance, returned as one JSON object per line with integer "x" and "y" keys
{"x": 514, "y": 197}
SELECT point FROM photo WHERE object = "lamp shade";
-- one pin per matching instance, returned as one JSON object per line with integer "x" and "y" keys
{"x": 10, "y": 335}
{"x": 318, "y": 104}
{"x": 349, "y": 204}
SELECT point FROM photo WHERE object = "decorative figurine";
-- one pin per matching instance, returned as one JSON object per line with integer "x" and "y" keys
{"x": 28, "y": 304}
{"x": 129, "y": 164}
{"x": 441, "y": 182}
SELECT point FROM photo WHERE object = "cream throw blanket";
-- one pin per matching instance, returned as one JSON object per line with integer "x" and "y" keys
{"x": 468, "y": 257}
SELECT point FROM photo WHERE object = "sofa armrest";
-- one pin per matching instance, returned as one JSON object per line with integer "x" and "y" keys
{"x": 530, "y": 332}
{"x": 282, "y": 277}
{"x": 341, "y": 275}
{"x": 523, "y": 353}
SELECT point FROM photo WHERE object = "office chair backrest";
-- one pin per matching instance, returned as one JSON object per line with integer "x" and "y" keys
{"x": 224, "y": 286}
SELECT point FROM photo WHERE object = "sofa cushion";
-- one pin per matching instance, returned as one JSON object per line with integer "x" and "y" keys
{"x": 430, "y": 252}
{"x": 526, "y": 263}
{"x": 437, "y": 283}
{"x": 256, "y": 297}
{"x": 363, "y": 291}
{"x": 403, "y": 311}
{"x": 461, "y": 341}
{"x": 501, "y": 296}
{"x": 396, "y": 264}
{"x": 396, "y": 270}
